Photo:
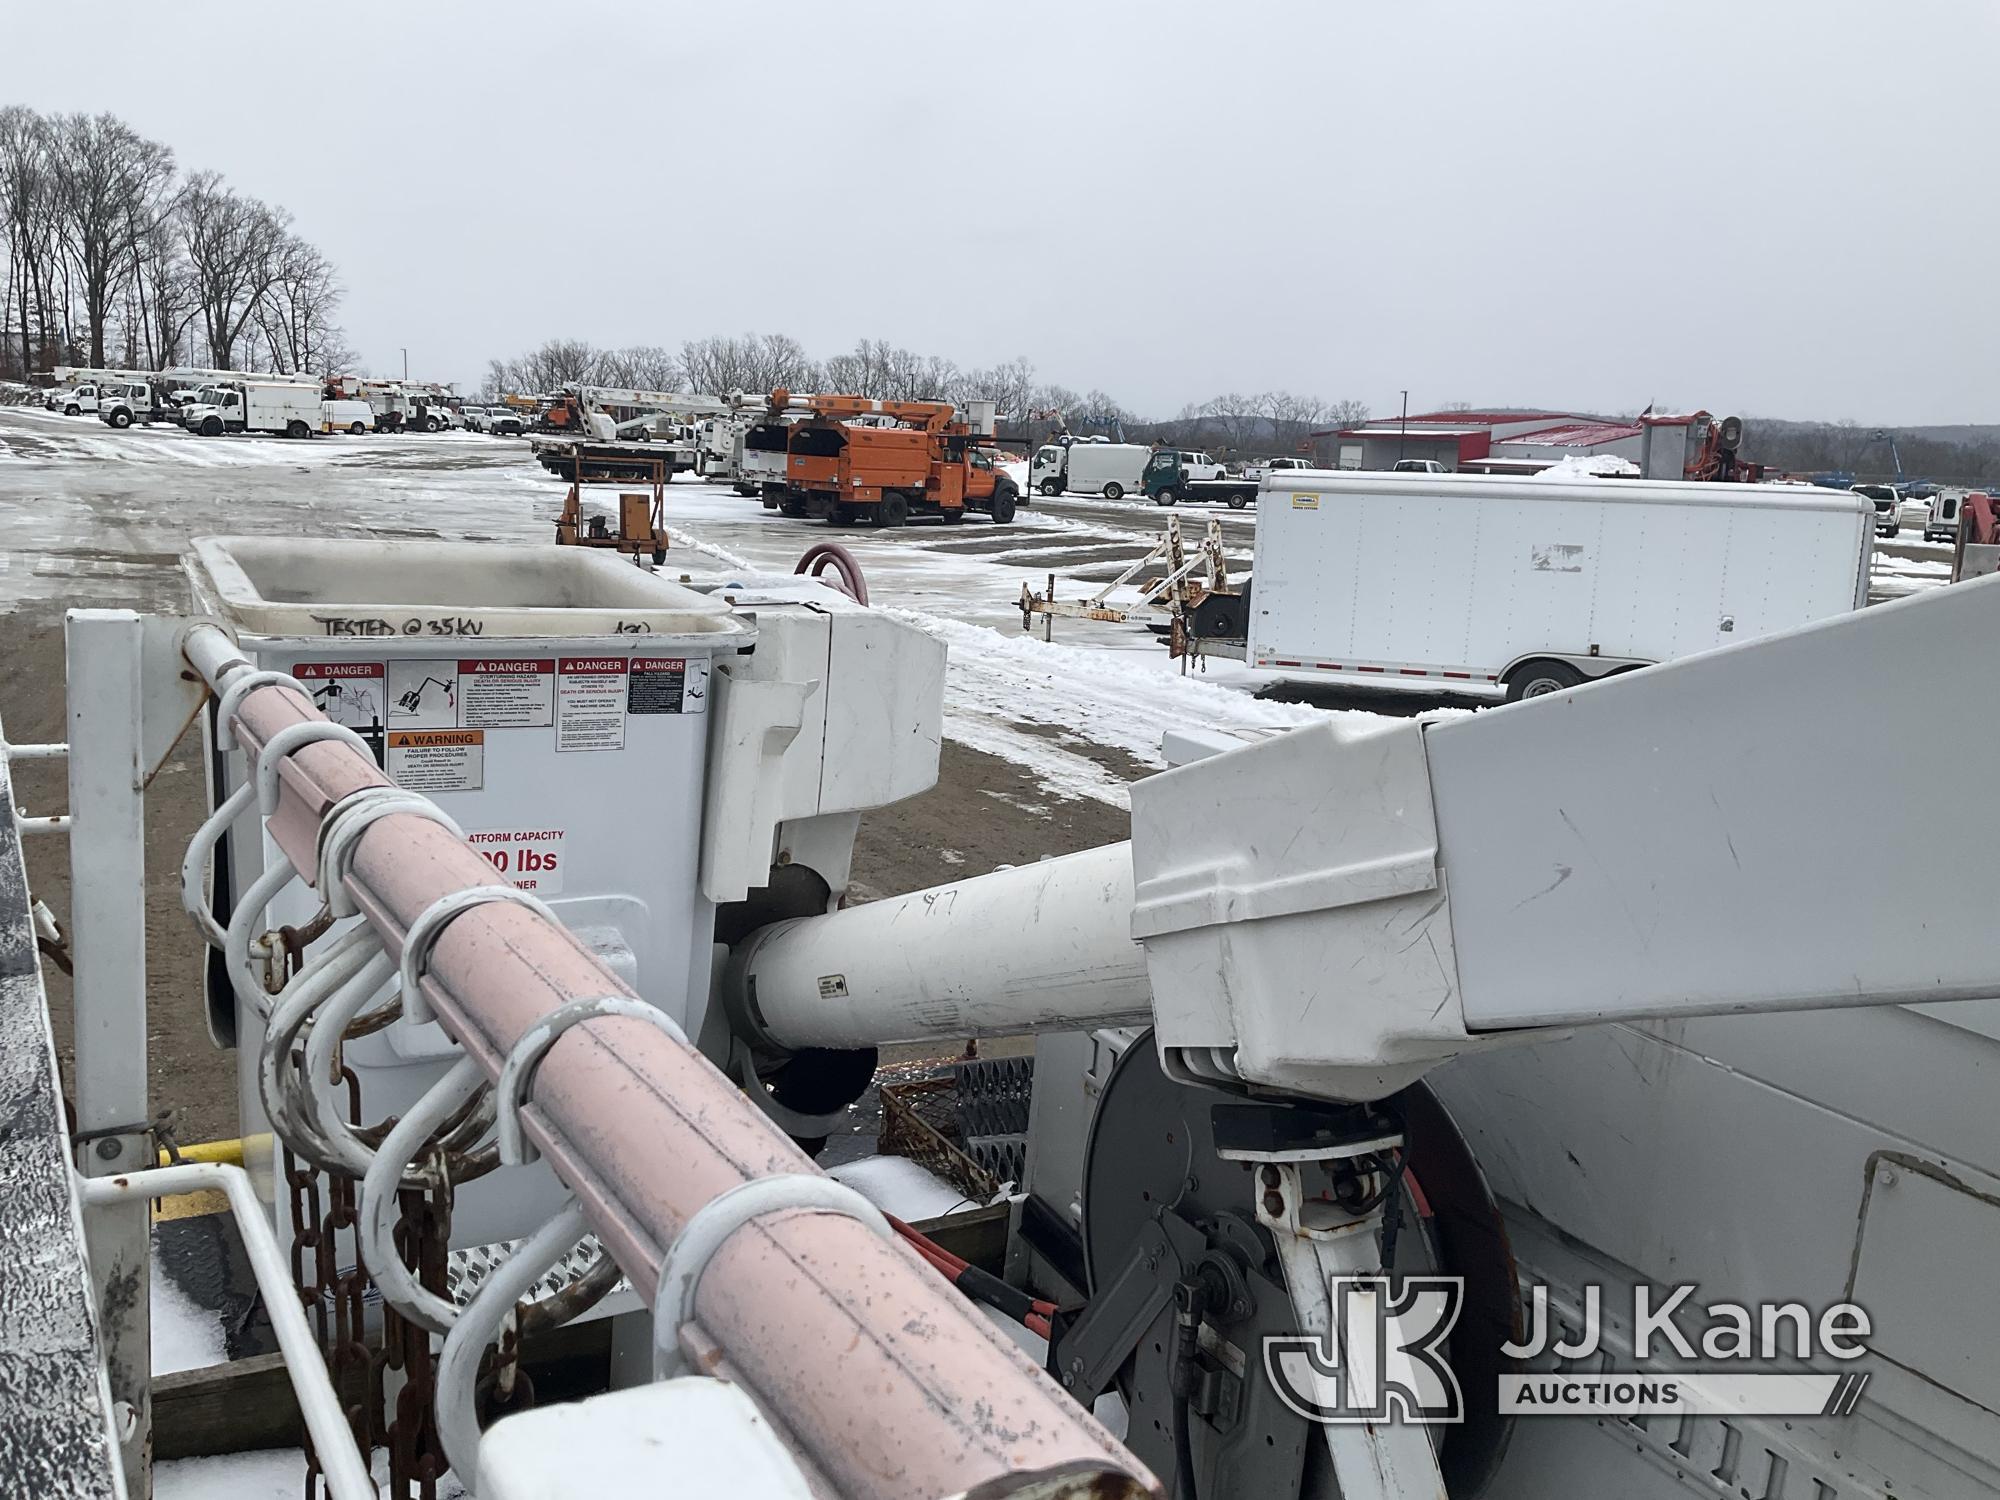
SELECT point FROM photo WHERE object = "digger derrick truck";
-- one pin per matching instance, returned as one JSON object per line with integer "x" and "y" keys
{"x": 842, "y": 468}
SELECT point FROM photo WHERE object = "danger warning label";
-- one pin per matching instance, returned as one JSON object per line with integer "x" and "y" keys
{"x": 590, "y": 703}
{"x": 437, "y": 760}
{"x": 506, "y": 693}
{"x": 668, "y": 685}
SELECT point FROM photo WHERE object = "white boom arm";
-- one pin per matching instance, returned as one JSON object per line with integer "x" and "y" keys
{"x": 1335, "y": 912}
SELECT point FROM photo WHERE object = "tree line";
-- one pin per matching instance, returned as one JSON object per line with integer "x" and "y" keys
{"x": 115, "y": 257}
{"x": 1269, "y": 422}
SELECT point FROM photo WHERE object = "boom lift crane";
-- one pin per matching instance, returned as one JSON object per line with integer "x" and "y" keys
{"x": 929, "y": 461}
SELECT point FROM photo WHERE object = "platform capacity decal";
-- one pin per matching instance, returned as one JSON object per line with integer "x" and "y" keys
{"x": 590, "y": 703}
{"x": 534, "y": 859}
{"x": 438, "y": 760}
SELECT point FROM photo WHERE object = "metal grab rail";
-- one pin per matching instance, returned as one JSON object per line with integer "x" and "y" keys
{"x": 340, "y": 1461}
{"x": 803, "y": 1308}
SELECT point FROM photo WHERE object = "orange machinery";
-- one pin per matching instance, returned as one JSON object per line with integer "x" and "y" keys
{"x": 840, "y": 466}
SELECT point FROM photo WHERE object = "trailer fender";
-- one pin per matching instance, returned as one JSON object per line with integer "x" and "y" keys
{"x": 1524, "y": 673}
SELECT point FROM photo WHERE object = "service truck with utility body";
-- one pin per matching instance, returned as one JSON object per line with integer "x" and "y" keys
{"x": 1088, "y": 467}
{"x": 930, "y": 462}
{"x": 287, "y": 408}
{"x": 1493, "y": 585}
{"x": 1172, "y": 476}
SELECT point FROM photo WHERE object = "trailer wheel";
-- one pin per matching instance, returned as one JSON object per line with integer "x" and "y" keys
{"x": 1237, "y": 502}
{"x": 1114, "y": 491}
{"x": 121, "y": 419}
{"x": 1167, "y": 496}
{"x": 1536, "y": 679}
{"x": 212, "y": 427}
{"x": 1051, "y": 488}
{"x": 892, "y": 509}
{"x": 1003, "y": 507}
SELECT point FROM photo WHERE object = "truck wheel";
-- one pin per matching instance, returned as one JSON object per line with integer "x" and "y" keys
{"x": 357, "y": 429}
{"x": 1003, "y": 507}
{"x": 1237, "y": 502}
{"x": 212, "y": 427}
{"x": 1114, "y": 491}
{"x": 430, "y": 424}
{"x": 72, "y": 410}
{"x": 1051, "y": 488}
{"x": 121, "y": 419}
{"x": 1536, "y": 679}
{"x": 892, "y": 510}
{"x": 1167, "y": 496}
{"x": 793, "y": 507}
{"x": 297, "y": 429}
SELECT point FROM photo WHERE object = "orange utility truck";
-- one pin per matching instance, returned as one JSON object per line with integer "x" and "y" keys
{"x": 855, "y": 459}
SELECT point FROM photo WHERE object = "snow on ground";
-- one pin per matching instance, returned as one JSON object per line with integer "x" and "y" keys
{"x": 272, "y": 1474}
{"x": 185, "y": 1336}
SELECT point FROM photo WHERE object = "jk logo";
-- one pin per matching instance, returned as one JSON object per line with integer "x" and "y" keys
{"x": 1384, "y": 1360}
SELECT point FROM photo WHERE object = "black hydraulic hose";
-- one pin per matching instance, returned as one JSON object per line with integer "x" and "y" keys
{"x": 1190, "y": 1300}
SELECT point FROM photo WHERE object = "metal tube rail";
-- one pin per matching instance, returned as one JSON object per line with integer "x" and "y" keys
{"x": 1041, "y": 946}
{"x": 339, "y": 1459}
{"x": 873, "y": 1365}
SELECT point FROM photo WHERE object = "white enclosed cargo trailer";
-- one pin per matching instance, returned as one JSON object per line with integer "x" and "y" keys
{"x": 1487, "y": 584}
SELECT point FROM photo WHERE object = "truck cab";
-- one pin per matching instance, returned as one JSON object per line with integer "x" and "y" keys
{"x": 120, "y": 403}
{"x": 1888, "y": 502}
{"x": 1418, "y": 466}
{"x": 1199, "y": 465}
{"x": 78, "y": 399}
{"x": 214, "y": 410}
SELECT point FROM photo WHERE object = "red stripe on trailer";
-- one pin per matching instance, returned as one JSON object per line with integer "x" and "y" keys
{"x": 1327, "y": 666}
{"x": 1282, "y": 663}
{"x": 1411, "y": 672}
{"x": 1371, "y": 669}
{"x": 1463, "y": 676}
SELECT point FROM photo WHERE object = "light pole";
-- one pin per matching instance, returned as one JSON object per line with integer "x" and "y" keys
{"x": 1403, "y": 428}
{"x": 406, "y": 375}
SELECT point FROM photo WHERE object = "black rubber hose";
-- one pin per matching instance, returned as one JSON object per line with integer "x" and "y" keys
{"x": 1190, "y": 1300}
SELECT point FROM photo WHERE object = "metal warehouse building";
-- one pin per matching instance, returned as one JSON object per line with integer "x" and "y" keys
{"x": 1493, "y": 442}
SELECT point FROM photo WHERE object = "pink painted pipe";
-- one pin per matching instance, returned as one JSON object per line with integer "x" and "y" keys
{"x": 892, "y": 1383}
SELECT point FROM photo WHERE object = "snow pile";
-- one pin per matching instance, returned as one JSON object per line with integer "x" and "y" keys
{"x": 1591, "y": 466}
{"x": 270, "y": 1474}
{"x": 902, "y": 1187}
{"x": 185, "y": 1337}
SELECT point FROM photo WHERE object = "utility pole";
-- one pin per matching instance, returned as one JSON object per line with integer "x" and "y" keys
{"x": 406, "y": 374}
{"x": 1403, "y": 428}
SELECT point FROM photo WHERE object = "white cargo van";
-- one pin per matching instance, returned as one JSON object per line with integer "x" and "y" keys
{"x": 356, "y": 417}
{"x": 1107, "y": 469}
{"x": 290, "y": 408}
{"x": 1492, "y": 584}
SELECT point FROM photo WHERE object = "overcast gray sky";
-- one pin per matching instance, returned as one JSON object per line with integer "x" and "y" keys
{"x": 1782, "y": 207}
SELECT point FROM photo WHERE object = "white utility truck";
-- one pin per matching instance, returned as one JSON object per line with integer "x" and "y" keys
{"x": 1491, "y": 584}
{"x": 1109, "y": 469}
{"x": 287, "y": 407}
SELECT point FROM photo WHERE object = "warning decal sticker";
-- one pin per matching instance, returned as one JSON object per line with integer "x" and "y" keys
{"x": 590, "y": 703}
{"x": 347, "y": 692}
{"x": 532, "y": 858}
{"x": 438, "y": 760}
{"x": 668, "y": 685}
{"x": 423, "y": 694}
{"x": 507, "y": 693}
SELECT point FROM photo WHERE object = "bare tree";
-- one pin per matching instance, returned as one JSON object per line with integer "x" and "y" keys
{"x": 1293, "y": 419}
{"x": 295, "y": 314}
{"x": 643, "y": 367}
{"x": 1242, "y": 419}
{"x": 755, "y": 362}
{"x": 28, "y": 204}
{"x": 234, "y": 246}
{"x": 106, "y": 177}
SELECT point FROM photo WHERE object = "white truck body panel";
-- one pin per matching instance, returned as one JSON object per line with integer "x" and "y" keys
{"x": 1091, "y": 467}
{"x": 342, "y": 416}
{"x": 1462, "y": 576}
